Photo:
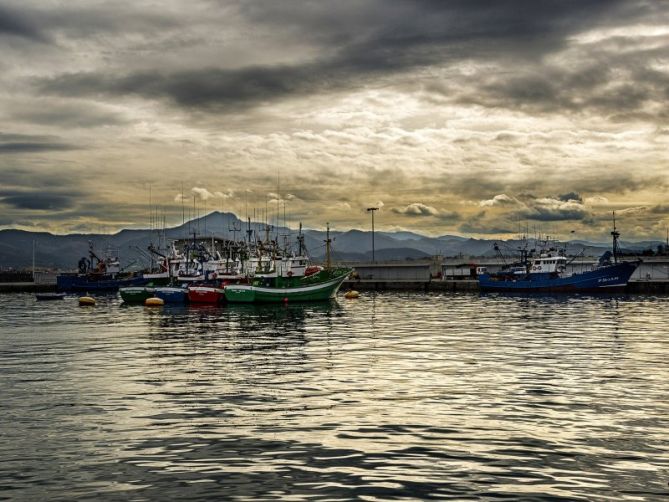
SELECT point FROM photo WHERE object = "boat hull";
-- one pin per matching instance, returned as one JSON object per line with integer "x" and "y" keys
{"x": 49, "y": 296}
{"x": 172, "y": 295}
{"x": 246, "y": 293}
{"x": 611, "y": 279}
{"x": 205, "y": 294}
{"x": 73, "y": 282}
{"x": 136, "y": 294}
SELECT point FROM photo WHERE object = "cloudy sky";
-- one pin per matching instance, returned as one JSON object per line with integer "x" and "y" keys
{"x": 471, "y": 117}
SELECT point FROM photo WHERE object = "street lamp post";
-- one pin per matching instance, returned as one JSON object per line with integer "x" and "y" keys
{"x": 371, "y": 210}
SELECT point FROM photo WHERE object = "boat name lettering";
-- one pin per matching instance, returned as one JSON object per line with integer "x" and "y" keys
{"x": 608, "y": 279}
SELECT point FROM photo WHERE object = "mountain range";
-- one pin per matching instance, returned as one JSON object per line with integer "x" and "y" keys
{"x": 64, "y": 251}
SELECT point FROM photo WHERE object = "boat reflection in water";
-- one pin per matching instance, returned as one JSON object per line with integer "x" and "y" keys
{"x": 261, "y": 319}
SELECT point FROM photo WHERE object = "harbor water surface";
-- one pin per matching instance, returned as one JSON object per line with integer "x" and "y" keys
{"x": 391, "y": 396}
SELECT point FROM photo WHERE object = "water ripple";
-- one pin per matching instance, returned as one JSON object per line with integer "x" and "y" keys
{"x": 392, "y": 396}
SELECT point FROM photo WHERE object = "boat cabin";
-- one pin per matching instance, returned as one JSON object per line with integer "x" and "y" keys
{"x": 548, "y": 264}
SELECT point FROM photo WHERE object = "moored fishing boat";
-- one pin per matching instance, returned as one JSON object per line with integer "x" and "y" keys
{"x": 318, "y": 287}
{"x": 547, "y": 273}
{"x": 97, "y": 274}
{"x": 285, "y": 279}
{"x": 172, "y": 294}
{"x": 206, "y": 293}
{"x": 136, "y": 294}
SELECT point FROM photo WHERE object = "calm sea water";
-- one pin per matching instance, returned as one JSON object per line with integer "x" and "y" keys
{"x": 391, "y": 396}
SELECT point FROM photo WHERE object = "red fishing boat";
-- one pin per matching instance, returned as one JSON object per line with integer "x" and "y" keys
{"x": 206, "y": 293}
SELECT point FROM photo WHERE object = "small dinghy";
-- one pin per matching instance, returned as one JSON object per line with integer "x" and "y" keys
{"x": 49, "y": 296}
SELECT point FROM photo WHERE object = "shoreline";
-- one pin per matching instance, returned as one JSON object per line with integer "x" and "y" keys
{"x": 640, "y": 287}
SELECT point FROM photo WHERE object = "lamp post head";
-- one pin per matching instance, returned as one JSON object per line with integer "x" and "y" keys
{"x": 372, "y": 209}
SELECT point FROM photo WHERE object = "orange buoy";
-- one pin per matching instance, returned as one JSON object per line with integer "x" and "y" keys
{"x": 86, "y": 301}
{"x": 350, "y": 295}
{"x": 154, "y": 302}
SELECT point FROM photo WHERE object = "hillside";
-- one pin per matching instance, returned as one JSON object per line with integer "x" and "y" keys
{"x": 63, "y": 251}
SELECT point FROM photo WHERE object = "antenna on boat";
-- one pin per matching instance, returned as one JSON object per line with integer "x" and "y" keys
{"x": 183, "y": 211}
{"x": 150, "y": 211}
{"x": 234, "y": 227}
{"x": 194, "y": 215}
{"x": 615, "y": 234}
{"x": 278, "y": 203}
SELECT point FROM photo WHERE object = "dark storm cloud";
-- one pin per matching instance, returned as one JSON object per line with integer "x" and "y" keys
{"x": 660, "y": 209}
{"x": 27, "y": 143}
{"x": 554, "y": 215}
{"x": 570, "y": 196}
{"x": 389, "y": 37}
{"x": 28, "y": 147}
{"x": 199, "y": 88}
{"x": 394, "y": 26}
{"x": 615, "y": 84}
{"x": 14, "y": 23}
{"x": 41, "y": 23}
{"x": 468, "y": 228}
{"x": 63, "y": 113}
{"x": 38, "y": 200}
{"x": 21, "y": 177}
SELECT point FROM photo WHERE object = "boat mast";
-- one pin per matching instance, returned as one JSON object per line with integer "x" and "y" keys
{"x": 328, "y": 241}
{"x": 249, "y": 232}
{"x": 300, "y": 242}
{"x": 615, "y": 234}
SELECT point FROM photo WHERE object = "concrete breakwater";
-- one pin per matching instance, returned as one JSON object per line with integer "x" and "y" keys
{"x": 27, "y": 282}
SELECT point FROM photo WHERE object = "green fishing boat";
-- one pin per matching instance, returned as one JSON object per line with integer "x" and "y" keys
{"x": 136, "y": 294}
{"x": 288, "y": 279}
{"x": 320, "y": 286}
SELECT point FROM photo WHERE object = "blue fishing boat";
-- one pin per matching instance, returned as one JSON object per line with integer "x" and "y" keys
{"x": 97, "y": 274}
{"x": 547, "y": 273}
{"x": 172, "y": 294}
{"x": 76, "y": 282}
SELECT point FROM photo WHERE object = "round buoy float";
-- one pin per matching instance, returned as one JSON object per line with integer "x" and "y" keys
{"x": 351, "y": 294}
{"x": 154, "y": 302}
{"x": 86, "y": 301}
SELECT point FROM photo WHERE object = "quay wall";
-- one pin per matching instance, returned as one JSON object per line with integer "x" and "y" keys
{"x": 637, "y": 287}
{"x": 459, "y": 274}
{"x": 26, "y": 287}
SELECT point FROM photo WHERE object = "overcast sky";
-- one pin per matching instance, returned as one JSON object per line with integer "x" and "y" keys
{"x": 471, "y": 117}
